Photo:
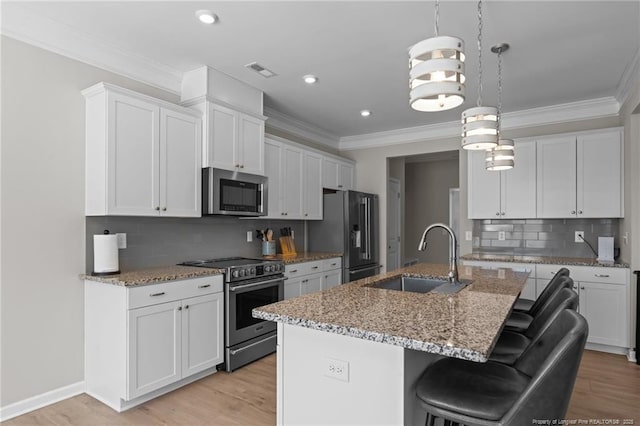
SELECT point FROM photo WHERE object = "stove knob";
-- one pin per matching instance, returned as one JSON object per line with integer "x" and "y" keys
{"x": 235, "y": 274}
{"x": 242, "y": 271}
{"x": 252, "y": 271}
{"x": 267, "y": 268}
{"x": 278, "y": 267}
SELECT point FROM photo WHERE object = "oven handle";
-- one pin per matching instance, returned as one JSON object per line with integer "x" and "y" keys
{"x": 237, "y": 351}
{"x": 261, "y": 283}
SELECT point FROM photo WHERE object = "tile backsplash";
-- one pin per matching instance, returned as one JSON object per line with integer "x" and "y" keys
{"x": 542, "y": 237}
{"x": 156, "y": 241}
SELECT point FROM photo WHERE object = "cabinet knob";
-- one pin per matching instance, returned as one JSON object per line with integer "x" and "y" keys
{"x": 573, "y": 212}
{"x": 582, "y": 288}
{"x": 602, "y": 275}
{"x": 501, "y": 213}
{"x": 286, "y": 214}
{"x": 579, "y": 211}
{"x": 575, "y": 287}
{"x": 242, "y": 166}
{"x": 179, "y": 308}
{"x": 164, "y": 209}
{"x": 306, "y": 214}
{"x": 497, "y": 213}
{"x": 339, "y": 186}
{"x": 237, "y": 165}
{"x": 158, "y": 208}
{"x": 186, "y": 307}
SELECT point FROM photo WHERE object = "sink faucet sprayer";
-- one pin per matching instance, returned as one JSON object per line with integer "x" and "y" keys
{"x": 453, "y": 249}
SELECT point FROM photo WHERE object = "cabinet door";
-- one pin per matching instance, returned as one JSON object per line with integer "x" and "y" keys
{"x": 330, "y": 173}
{"x": 346, "y": 177}
{"x": 483, "y": 192}
{"x": 556, "y": 177}
{"x": 251, "y": 144}
{"x": 223, "y": 140}
{"x": 202, "y": 333}
{"x": 180, "y": 171}
{"x": 599, "y": 177}
{"x": 311, "y": 284}
{"x": 273, "y": 171}
{"x": 518, "y": 185}
{"x": 292, "y": 183}
{"x": 133, "y": 174}
{"x": 154, "y": 347}
{"x": 331, "y": 279}
{"x": 292, "y": 288}
{"x": 312, "y": 186}
{"x": 604, "y": 307}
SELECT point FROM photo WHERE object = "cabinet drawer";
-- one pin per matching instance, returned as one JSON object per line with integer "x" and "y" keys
{"x": 587, "y": 273}
{"x": 331, "y": 264}
{"x": 174, "y": 290}
{"x": 304, "y": 268}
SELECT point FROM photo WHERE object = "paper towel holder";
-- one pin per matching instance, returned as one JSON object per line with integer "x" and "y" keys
{"x": 109, "y": 265}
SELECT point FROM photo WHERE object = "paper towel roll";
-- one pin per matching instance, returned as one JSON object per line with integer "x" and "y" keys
{"x": 105, "y": 254}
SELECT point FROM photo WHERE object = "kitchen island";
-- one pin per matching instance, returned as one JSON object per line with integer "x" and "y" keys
{"x": 352, "y": 354}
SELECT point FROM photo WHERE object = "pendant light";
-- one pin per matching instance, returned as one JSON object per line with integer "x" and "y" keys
{"x": 436, "y": 71}
{"x": 502, "y": 156}
{"x": 480, "y": 124}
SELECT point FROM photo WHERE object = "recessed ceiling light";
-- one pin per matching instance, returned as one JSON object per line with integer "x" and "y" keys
{"x": 365, "y": 113}
{"x": 310, "y": 79}
{"x": 206, "y": 16}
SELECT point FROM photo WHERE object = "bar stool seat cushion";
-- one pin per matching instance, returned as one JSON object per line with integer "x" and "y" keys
{"x": 518, "y": 322}
{"x": 523, "y": 305}
{"x": 479, "y": 390}
{"x": 509, "y": 347}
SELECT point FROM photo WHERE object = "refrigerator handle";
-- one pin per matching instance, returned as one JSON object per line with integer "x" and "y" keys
{"x": 367, "y": 209}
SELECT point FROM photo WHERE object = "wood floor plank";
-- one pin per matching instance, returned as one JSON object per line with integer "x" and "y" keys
{"x": 607, "y": 387}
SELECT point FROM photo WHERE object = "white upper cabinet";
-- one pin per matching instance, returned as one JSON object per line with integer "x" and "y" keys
{"x": 599, "y": 174}
{"x": 312, "y": 186}
{"x": 580, "y": 175}
{"x": 273, "y": 172}
{"x": 507, "y": 194}
{"x": 152, "y": 150}
{"x": 233, "y": 140}
{"x": 337, "y": 174}
{"x": 291, "y": 189}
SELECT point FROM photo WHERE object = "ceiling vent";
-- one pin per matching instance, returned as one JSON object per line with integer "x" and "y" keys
{"x": 266, "y": 73}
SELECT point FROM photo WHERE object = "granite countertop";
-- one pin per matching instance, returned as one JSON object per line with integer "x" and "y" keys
{"x": 550, "y": 260}
{"x": 153, "y": 275}
{"x": 308, "y": 256}
{"x": 463, "y": 325}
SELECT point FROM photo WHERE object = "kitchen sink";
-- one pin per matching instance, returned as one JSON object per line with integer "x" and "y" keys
{"x": 421, "y": 285}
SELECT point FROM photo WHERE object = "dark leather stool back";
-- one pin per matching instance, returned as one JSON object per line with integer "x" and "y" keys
{"x": 552, "y": 362}
{"x": 548, "y": 291}
{"x": 563, "y": 298}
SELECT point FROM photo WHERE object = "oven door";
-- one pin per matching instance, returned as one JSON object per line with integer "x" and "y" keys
{"x": 241, "y": 299}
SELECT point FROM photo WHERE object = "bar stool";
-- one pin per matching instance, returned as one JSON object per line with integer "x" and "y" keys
{"x": 525, "y": 305}
{"x": 511, "y": 345}
{"x": 537, "y": 386}
{"x": 520, "y": 321}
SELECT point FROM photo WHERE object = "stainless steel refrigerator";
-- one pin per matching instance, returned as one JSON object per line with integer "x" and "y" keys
{"x": 349, "y": 226}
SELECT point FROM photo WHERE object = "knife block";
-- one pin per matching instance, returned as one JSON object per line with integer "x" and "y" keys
{"x": 288, "y": 246}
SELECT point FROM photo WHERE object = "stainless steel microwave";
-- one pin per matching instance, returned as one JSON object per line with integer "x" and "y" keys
{"x": 233, "y": 193}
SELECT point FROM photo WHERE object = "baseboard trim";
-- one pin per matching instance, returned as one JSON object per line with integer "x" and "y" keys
{"x": 26, "y": 405}
{"x": 609, "y": 349}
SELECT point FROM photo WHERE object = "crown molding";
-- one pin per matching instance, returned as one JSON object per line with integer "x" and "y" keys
{"x": 554, "y": 114}
{"x": 280, "y": 121}
{"x": 630, "y": 78}
{"x": 67, "y": 41}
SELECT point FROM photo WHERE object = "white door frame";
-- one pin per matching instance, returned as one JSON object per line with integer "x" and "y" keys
{"x": 395, "y": 203}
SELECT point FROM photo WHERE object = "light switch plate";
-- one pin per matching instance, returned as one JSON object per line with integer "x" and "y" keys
{"x": 468, "y": 235}
{"x": 249, "y": 236}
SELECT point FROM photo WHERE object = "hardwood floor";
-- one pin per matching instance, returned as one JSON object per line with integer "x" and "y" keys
{"x": 608, "y": 387}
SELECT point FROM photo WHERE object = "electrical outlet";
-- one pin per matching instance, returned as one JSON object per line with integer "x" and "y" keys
{"x": 501, "y": 235}
{"x": 122, "y": 240}
{"x": 468, "y": 235}
{"x": 579, "y": 238}
{"x": 336, "y": 369}
{"x": 249, "y": 236}
{"x": 625, "y": 238}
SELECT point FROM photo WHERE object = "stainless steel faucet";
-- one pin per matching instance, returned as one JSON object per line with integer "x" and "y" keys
{"x": 453, "y": 249}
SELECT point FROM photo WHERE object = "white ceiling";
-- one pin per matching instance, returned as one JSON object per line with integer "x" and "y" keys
{"x": 561, "y": 51}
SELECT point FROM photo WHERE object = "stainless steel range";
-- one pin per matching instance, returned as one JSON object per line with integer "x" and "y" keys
{"x": 249, "y": 283}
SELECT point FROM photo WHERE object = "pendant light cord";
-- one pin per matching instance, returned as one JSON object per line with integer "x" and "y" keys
{"x": 499, "y": 90}
{"x": 480, "y": 53}
{"x": 436, "y": 21}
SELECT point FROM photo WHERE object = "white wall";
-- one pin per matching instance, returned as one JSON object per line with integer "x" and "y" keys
{"x": 42, "y": 217}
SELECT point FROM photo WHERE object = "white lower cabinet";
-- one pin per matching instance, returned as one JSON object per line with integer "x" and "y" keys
{"x": 141, "y": 342}
{"x": 310, "y": 277}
